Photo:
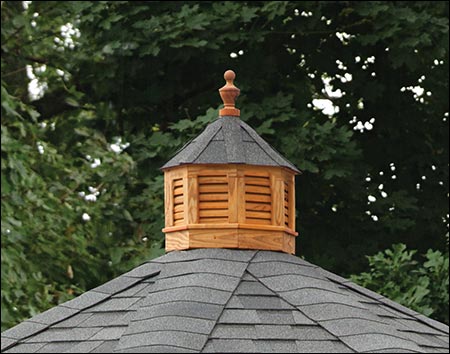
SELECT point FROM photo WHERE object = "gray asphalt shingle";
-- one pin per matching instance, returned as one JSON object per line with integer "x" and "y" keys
{"x": 229, "y": 140}
{"x": 215, "y": 300}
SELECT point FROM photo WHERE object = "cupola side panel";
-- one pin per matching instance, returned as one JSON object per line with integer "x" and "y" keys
{"x": 230, "y": 206}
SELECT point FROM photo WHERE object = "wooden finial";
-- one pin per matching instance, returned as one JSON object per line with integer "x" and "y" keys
{"x": 229, "y": 93}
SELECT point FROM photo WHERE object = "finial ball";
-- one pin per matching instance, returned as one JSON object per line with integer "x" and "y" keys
{"x": 229, "y": 75}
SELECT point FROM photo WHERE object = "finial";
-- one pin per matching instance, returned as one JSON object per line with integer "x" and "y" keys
{"x": 229, "y": 93}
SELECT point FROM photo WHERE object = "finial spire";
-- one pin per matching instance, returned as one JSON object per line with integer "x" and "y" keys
{"x": 229, "y": 93}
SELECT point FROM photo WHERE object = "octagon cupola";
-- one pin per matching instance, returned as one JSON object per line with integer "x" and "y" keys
{"x": 228, "y": 188}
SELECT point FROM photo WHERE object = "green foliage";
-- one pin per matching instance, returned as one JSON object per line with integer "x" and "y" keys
{"x": 125, "y": 84}
{"x": 423, "y": 287}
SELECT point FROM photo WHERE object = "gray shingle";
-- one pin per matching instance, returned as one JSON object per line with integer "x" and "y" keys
{"x": 54, "y": 315}
{"x": 116, "y": 285}
{"x": 189, "y": 293}
{"x": 263, "y": 302}
{"x": 248, "y": 277}
{"x": 57, "y": 347}
{"x": 214, "y": 266}
{"x": 273, "y": 268}
{"x": 311, "y": 333}
{"x": 214, "y": 281}
{"x": 24, "y": 329}
{"x": 416, "y": 326}
{"x": 279, "y": 346}
{"x": 327, "y": 346}
{"x": 234, "y": 303}
{"x": 348, "y": 326}
{"x": 398, "y": 307}
{"x": 427, "y": 340}
{"x": 267, "y": 256}
{"x": 173, "y": 338}
{"x": 172, "y": 323}
{"x": 157, "y": 349}
{"x": 206, "y": 253}
{"x": 229, "y": 140}
{"x": 393, "y": 312}
{"x": 300, "y": 318}
{"x": 252, "y": 288}
{"x": 323, "y": 312}
{"x": 375, "y": 341}
{"x": 63, "y": 335}
{"x": 7, "y": 342}
{"x": 290, "y": 282}
{"x": 136, "y": 290}
{"x": 276, "y": 317}
{"x": 315, "y": 296}
{"x": 274, "y": 332}
{"x": 85, "y": 300}
{"x": 117, "y": 304}
{"x": 233, "y": 138}
{"x": 230, "y": 346}
{"x": 292, "y": 332}
{"x": 361, "y": 290}
{"x": 109, "y": 333}
{"x": 188, "y": 309}
{"x": 239, "y": 316}
{"x": 74, "y": 321}
{"x": 224, "y": 331}
{"x": 213, "y": 154}
{"x": 391, "y": 350}
{"x": 144, "y": 271}
{"x": 25, "y": 348}
{"x": 438, "y": 325}
{"x": 107, "y": 319}
{"x": 106, "y": 347}
{"x": 84, "y": 347}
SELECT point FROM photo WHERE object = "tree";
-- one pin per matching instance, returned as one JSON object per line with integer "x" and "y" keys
{"x": 118, "y": 87}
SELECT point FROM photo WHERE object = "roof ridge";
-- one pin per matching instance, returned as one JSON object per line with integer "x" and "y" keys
{"x": 225, "y": 305}
{"x": 385, "y": 301}
{"x": 76, "y": 305}
{"x": 196, "y": 154}
{"x": 266, "y": 147}
{"x": 304, "y": 314}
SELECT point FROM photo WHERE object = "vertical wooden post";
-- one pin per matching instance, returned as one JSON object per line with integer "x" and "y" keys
{"x": 241, "y": 196}
{"x": 277, "y": 187}
{"x": 191, "y": 199}
{"x": 168, "y": 199}
{"x": 291, "y": 180}
{"x": 232, "y": 196}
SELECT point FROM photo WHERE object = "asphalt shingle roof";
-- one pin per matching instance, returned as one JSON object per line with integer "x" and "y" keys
{"x": 228, "y": 301}
{"x": 229, "y": 140}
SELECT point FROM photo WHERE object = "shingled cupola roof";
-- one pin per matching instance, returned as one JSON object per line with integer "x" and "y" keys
{"x": 217, "y": 300}
{"x": 228, "y": 188}
{"x": 229, "y": 140}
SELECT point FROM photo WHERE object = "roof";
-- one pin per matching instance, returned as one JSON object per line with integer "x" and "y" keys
{"x": 229, "y": 140}
{"x": 220, "y": 300}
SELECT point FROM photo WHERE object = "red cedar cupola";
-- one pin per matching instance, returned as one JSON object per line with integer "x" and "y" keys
{"x": 228, "y": 188}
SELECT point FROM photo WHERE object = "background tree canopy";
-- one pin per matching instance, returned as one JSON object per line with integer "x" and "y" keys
{"x": 96, "y": 96}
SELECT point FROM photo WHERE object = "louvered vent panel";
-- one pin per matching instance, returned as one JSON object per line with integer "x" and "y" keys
{"x": 213, "y": 199}
{"x": 258, "y": 199}
{"x": 286, "y": 204}
{"x": 178, "y": 201}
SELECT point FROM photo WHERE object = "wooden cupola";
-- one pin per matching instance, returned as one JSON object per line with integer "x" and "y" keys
{"x": 228, "y": 188}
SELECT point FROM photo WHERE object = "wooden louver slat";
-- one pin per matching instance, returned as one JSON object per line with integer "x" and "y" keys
{"x": 286, "y": 204}
{"x": 258, "y": 200}
{"x": 178, "y": 201}
{"x": 213, "y": 199}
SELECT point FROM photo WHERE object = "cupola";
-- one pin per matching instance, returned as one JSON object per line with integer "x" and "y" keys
{"x": 228, "y": 188}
